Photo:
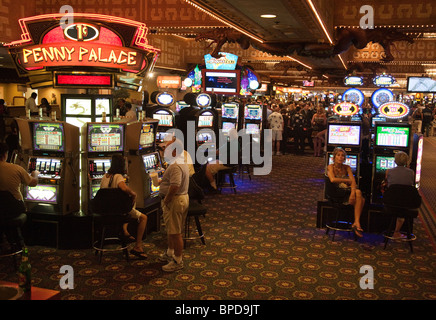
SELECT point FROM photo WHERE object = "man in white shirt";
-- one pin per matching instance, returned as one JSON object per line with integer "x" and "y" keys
{"x": 130, "y": 114}
{"x": 276, "y": 124}
{"x": 31, "y": 104}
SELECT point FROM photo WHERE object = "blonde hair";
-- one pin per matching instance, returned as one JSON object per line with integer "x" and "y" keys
{"x": 337, "y": 150}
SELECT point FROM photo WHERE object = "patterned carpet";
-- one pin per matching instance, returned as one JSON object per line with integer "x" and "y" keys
{"x": 261, "y": 244}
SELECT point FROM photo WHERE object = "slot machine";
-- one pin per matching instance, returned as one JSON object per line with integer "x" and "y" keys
{"x": 230, "y": 118}
{"x": 162, "y": 112}
{"x": 346, "y": 135}
{"x": 143, "y": 159}
{"x": 390, "y": 137}
{"x": 254, "y": 117}
{"x": 100, "y": 140}
{"x": 55, "y": 154}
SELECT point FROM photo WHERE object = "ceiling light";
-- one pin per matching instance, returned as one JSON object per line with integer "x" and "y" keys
{"x": 268, "y": 16}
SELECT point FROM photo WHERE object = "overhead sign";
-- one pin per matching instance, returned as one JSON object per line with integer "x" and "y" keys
{"x": 384, "y": 80}
{"x": 394, "y": 110}
{"x": 96, "y": 42}
{"x": 228, "y": 61}
{"x": 346, "y": 109}
{"x": 169, "y": 82}
{"x": 353, "y": 81}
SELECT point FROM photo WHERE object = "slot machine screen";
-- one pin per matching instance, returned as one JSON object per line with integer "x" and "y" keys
{"x": 105, "y": 137}
{"x": 343, "y": 134}
{"x": 391, "y": 135}
{"x": 227, "y": 126}
{"x": 253, "y": 112}
{"x": 146, "y": 137}
{"x": 221, "y": 81}
{"x": 48, "y": 137}
{"x": 151, "y": 161}
{"x": 350, "y": 160}
{"x": 204, "y": 137}
{"x": 180, "y": 105}
{"x": 161, "y": 136}
{"x": 230, "y": 111}
{"x": 383, "y": 163}
{"x": 252, "y": 128}
{"x": 205, "y": 120}
{"x": 164, "y": 117}
{"x": 42, "y": 193}
{"x": 377, "y": 119}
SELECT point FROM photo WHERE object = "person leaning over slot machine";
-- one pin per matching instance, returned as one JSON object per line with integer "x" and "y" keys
{"x": 114, "y": 179}
{"x": 341, "y": 175}
{"x": 400, "y": 175}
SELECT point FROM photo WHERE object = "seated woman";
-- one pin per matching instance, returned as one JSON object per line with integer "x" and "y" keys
{"x": 341, "y": 174}
{"x": 400, "y": 175}
{"x": 114, "y": 179}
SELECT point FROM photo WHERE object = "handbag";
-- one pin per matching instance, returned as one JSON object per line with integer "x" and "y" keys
{"x": 111, "y": 201}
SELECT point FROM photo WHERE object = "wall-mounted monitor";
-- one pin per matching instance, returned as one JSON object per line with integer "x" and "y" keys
{"x": 48, "y": 137}
{"x": 105, "y": 137}
{"x": 221, "y": 81}
{"x": 344, "y": 134}
{"x": 392, "y": 135}
{"x": 421, "y": 84}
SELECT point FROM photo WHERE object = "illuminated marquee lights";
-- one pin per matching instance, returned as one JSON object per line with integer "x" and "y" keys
{"x": 355, "y": 96}
{"x": 394, "y": 110}
{"x": 346, "y": 109}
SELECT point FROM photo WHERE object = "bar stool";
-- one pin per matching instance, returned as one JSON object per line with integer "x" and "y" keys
{"x": 195, "y": 210}
{"x": 401, "y": 201}
{"x": 222, "y": 183}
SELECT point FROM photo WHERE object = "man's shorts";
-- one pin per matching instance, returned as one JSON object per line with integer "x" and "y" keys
{"x": 277, "y": 135}
{"x": 175, "y": 214}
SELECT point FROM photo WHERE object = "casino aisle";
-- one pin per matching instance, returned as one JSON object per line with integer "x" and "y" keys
{"x": 261, "y": 244}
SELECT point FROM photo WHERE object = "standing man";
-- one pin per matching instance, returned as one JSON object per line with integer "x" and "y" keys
{"x": 427, "y": 118}
{"x": 174, "y": 187}
{"x": 276, "y": 124}
{"x": 31, "y": 104}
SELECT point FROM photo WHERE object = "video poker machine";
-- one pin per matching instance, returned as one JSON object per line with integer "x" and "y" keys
{"x": 55, "y": 154}
{"x": 390, "y": 137}
{"x": 143, "y": 159}
{"x": 346, "y": 135}
{"x": 230, "y": 117}
{"x": 100, "y": 141}
{"x": 163, "y": 112}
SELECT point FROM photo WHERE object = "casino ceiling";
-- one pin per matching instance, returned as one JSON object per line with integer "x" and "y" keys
{"x": 318, "y": 40}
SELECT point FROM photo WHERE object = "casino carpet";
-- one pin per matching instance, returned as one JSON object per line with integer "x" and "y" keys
{"x": 261, "y": 244}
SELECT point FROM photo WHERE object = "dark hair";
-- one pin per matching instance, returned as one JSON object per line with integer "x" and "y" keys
{"x": 2, "y": 101}
{"x": 4, "y": 148}
{"x": 128, "y": 105}
{"x": 34, "y": 95}
{"x": 44, "y": 101}
{"x": 117, "y": 165}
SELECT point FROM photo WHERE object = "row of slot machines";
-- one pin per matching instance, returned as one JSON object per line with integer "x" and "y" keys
{"x": 71, "y": 168}
{"x": 388, "y": 138}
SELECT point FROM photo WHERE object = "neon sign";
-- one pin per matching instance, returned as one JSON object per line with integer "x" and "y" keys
{"x": 228, "y": 61}
{"x": 346, "y": 109}
{"x": 384, "y": 80}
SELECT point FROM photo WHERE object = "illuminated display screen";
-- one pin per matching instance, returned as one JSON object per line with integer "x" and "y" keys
{"x": 165, "y": 118}
{"x": 253, "y": 112}
{"x": 88, "y": 80}
{"x": 165, "y": 99}
{"x": 384, "y": 163}
{"x": 180, "y": 105}
{"x": 344, "y": 135}
{"x": 151, "y": 161}
{"x": 205, "y": 120}
{"x": 78, "y": 106}
{"x": 160, "y": 136}
{"x": 350, "y": 160}
{"x": 221, "y": 82}
{"x": 230, "y": 111}
{"x": 48, "y": 137}
{"x": 99, "y": 166}
{"x": 146, "y": 138}
{"x": 252, "y": 128}
{"x": 377, "y": 119}
{"x": 227, "y": 126}
{"x": 204, "y": 137}
{"x": 50, "y": 167}
{"x": 105, "y": 137}
{"x": 392, "y": 136}
{"x": 94, "y": 190}
{"x": 42, "y": 193}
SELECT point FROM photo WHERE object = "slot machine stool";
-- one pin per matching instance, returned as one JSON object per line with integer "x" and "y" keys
{"x": 343, "y": 212}
{"x": 11, "y": 227}
{"x": 222, "y": 174}
{"x": 401, "y": 201}
{"x": 195, "y": 210}
{"x": 110, "y": 208}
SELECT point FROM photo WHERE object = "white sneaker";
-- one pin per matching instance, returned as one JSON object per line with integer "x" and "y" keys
{"x": 164, "y": 257}
{"x": 279, "y": 153}
{"x": 172, "y": 266}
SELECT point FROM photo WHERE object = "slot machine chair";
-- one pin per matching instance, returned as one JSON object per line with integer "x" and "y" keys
{"x": 12, "y": 219}
{"x": 229, "y": 183}
{"x": 195, "y": 210}
{"x": 401, "y": 201}
{"x": 110, "y": 208}
{"x": 343, "y": 212}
